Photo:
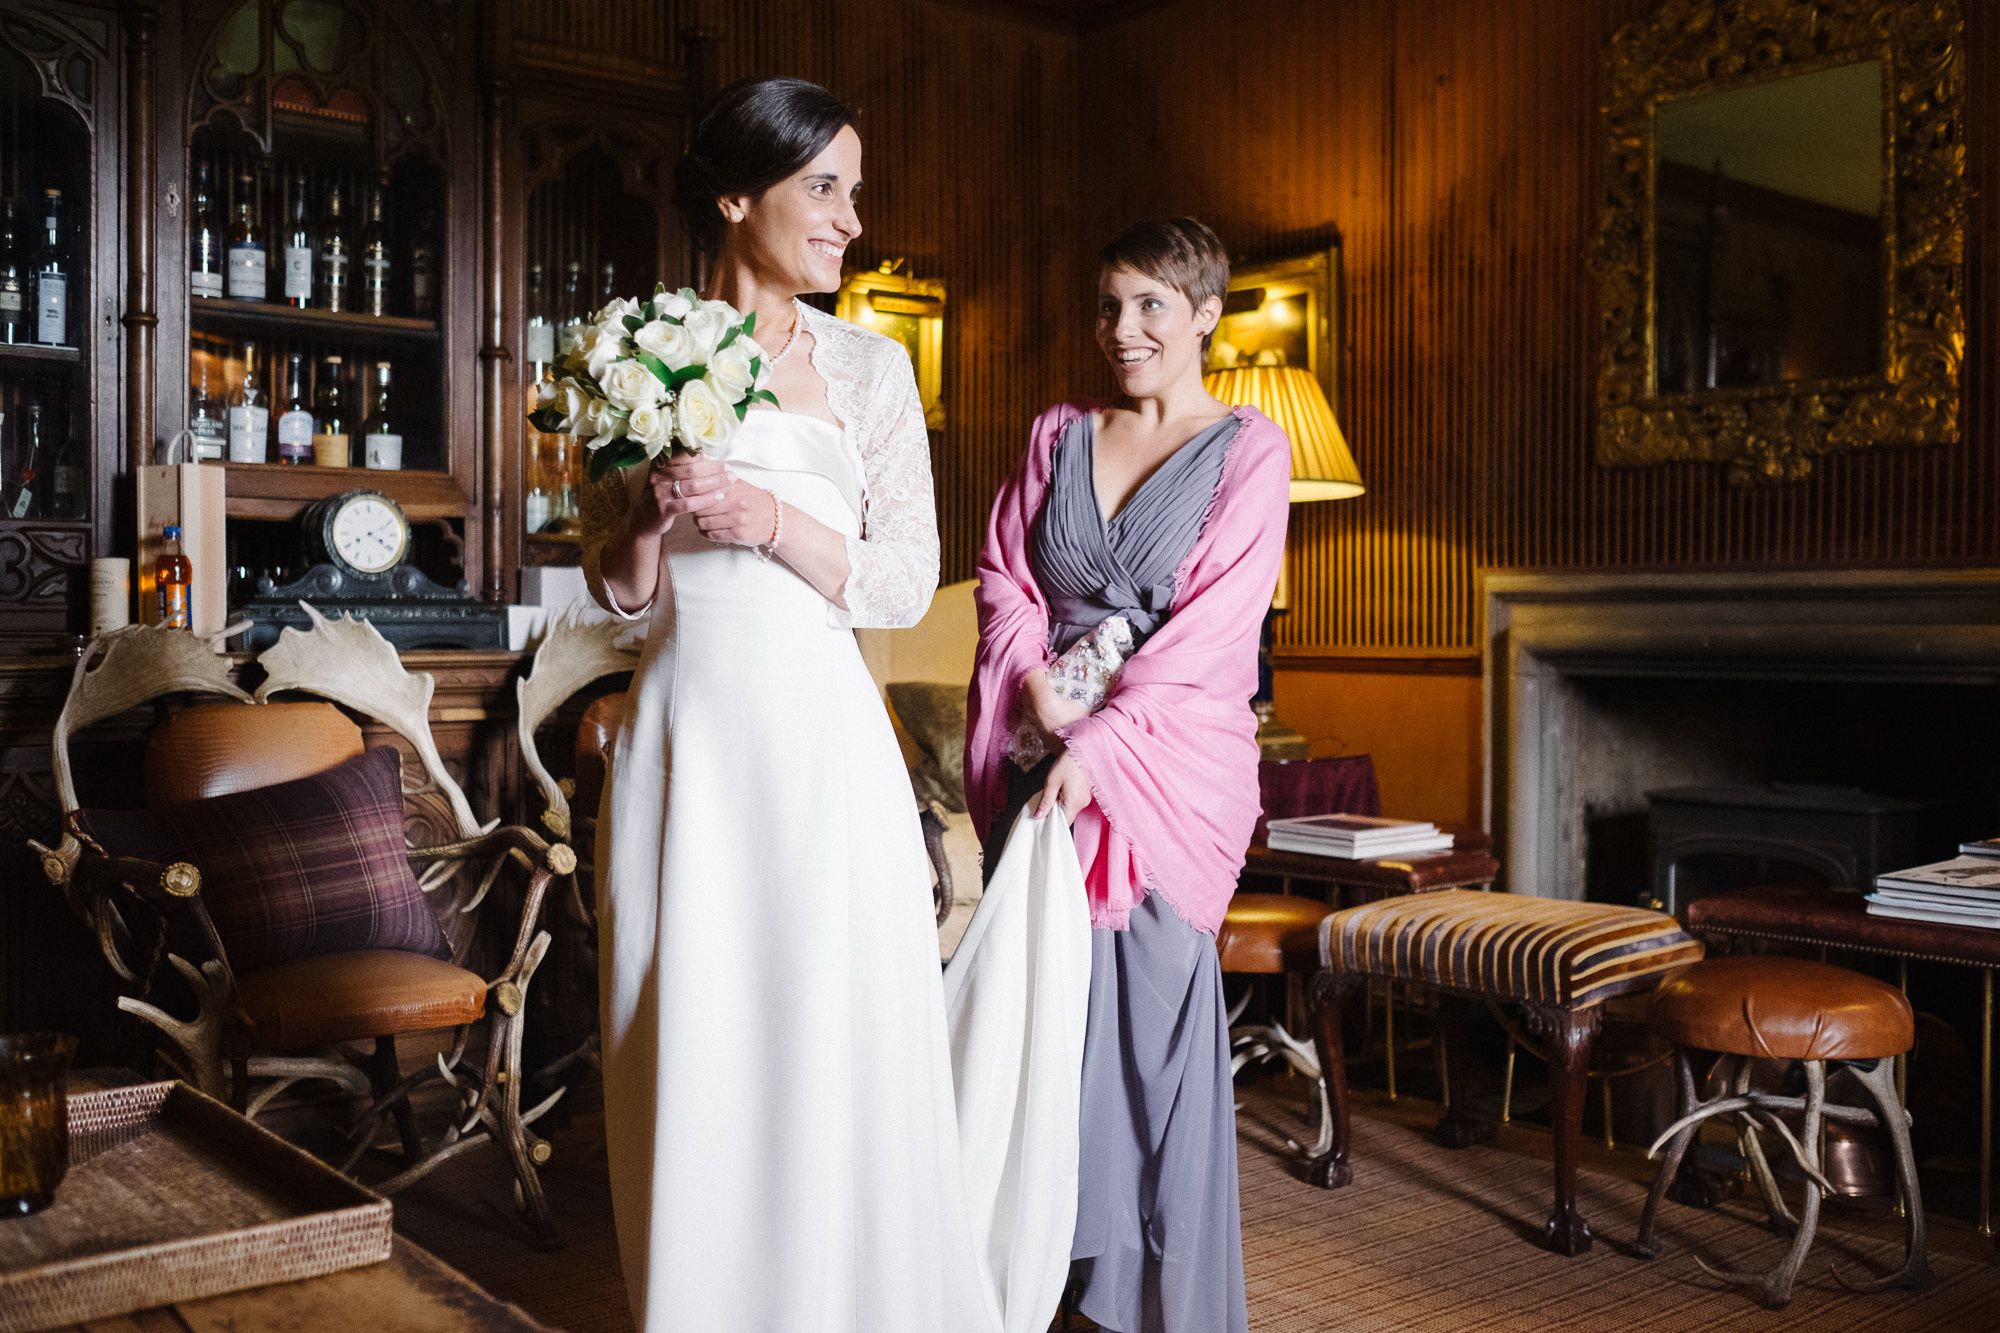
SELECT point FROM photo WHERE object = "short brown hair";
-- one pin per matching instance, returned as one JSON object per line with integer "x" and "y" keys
{"x": 1181, "y": 252}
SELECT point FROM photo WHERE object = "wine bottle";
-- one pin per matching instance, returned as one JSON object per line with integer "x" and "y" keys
{"x": 423, "y": 267}
{"x": 295, "y": 425}
{"x": 249, "y": 415}
{"x": 52, "y": 275}
{"x": 205, "y": 259}
{"x": 334, "y": 256}
{"x": 65, "y": 496}
{"x": 541, "y": 332}
{"x": 247, "y": 277}
{"x": 375, "y": 257}
{"x": 210, "y": 438}
{"x": 329, "y": 441}
{"x": 173, "y": 579}
{"x": 31, "y": 462}
{"x": 381, "y": 444}
{"x": 298, "y": 251}
{"x": 13, "y": 279}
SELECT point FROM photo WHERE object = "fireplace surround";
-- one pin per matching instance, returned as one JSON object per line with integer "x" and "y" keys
{"x": 1601, "y": 686}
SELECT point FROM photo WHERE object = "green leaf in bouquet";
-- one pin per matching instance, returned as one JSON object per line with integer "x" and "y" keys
{"x": 762, "y": 396}
{"x": 618, "y": 454}
{"x": 634, "y": 323}
{"x": 749, "y": 325}
{"x": 743, "y": 409}
{"x": 686, "y": 375}
{"x": 547, "y": 420}
{"x": 657, "y": 366}
{"x": 732, "y": 335}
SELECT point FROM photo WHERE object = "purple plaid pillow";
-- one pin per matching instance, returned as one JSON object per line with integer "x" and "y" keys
{"x": 314, "y": 866}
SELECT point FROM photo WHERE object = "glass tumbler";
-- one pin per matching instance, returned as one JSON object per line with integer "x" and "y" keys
{"x": 34, "y": 1120}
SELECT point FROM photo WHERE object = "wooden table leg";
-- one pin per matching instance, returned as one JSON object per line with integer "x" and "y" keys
{"x": 1459, "y": 1128}
{"x": 1568, "y": 1034}
{"x": 1330, "y": 990}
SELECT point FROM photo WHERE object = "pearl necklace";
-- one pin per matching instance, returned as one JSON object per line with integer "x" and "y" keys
{"x": 798, "y": 318}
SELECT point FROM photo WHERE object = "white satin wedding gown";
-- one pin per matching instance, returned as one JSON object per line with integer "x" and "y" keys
{"x": 785, "y": 1152}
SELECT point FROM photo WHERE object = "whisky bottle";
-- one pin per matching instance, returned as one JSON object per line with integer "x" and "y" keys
{"x": 209, "y": 437}
{"x": 541, "y": 332}
{"x": 295, "y": 424}
{"x": 205, "y": 259}
{"x": 249, "y": 415}
{"x": 334, "y": 256}
{"x": 329, "y": 441}
{"x": 298, "y": 251}
{"x": 381, "y": 444}
{"x": 66, "y": 492}
{"x": 375, "y": 257}
{"x": 247, "y": 278}
{"x": 13, "y": 279}
{"x": 31, "y": 462}
{"x": 52, "y": 275}
{"x": 423, "y": 267}
{"x": 173, "y": 578}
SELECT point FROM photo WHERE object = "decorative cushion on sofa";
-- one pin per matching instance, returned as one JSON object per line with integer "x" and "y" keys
{"x": 933, "y": 714}
{"x": 314, "y": 866}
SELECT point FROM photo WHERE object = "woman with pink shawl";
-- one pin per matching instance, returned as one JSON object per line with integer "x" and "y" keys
{"x": 1117, "y": 657}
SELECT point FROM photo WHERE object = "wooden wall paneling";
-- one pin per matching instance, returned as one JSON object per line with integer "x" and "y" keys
{"x": 1455, "y": 147}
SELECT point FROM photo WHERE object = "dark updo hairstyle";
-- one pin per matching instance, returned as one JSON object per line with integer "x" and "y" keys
{"x": 755, "y": 133}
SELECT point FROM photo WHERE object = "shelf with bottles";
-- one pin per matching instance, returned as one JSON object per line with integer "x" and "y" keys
{"x": 44, "y": 451}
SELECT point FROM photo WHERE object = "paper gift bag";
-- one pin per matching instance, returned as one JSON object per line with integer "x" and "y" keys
{"x": 193, "y": 497}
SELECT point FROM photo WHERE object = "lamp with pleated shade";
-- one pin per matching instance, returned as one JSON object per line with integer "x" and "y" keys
{"x": 1322, "y": 469}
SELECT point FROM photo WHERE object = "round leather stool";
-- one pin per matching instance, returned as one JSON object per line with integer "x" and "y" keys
{"x": 1822, "y": 1017}
{"x": 1273, "y": 935}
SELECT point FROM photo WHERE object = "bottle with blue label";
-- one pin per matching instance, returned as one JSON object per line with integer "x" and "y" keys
{"x": 52, "y": 275}
{"x": 248, "y": 279}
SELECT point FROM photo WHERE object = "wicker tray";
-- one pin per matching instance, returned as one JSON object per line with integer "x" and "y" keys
{"x": 172, "y": 1196}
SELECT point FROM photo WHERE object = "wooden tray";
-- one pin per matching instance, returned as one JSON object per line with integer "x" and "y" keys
{"x": 171, "y": 1196}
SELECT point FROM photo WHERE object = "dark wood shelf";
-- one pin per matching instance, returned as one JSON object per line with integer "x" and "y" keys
{"x": 282, "y": 491}
{"x": 38, "y": 354}
{"x": 252, "y": 317}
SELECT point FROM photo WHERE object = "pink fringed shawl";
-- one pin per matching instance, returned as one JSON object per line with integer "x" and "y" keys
{"x": 1172, "y": 755}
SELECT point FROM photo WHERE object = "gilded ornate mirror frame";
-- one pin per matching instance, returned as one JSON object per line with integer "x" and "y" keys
{"x": 1772, "y": 433}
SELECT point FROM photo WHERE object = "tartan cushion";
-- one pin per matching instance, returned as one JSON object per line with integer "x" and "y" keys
{"x": 1536, "y": 950}
{"x": 309, "y": 867}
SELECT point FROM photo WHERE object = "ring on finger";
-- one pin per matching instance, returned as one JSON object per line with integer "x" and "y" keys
{"x": 677, "y": 491}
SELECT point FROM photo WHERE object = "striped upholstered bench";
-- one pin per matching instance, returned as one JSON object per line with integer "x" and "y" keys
{"x": 1558, "y": 960}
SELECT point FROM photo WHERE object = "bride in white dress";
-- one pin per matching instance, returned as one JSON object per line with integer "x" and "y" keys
{"x": 784, "y": 1148}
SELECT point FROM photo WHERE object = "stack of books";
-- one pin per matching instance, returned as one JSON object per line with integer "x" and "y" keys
{"x": 1964, "y": 891}
{"x": 1357, "y": 837}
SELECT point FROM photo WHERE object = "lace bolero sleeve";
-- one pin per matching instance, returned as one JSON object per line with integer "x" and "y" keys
{"x": 871, "y": 387}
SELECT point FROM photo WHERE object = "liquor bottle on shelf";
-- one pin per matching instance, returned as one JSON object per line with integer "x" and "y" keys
{"x": 329, "y": 441}
{"x": 52, "y": 275}
{"x": 249, "y": 415}
{"x": 173, "y": 578}
{"x": 381, "y": 445}
{"x": 31, "y": 462}
{"x": 209, "y": 437}
{"x": 423, "y": 267}
{"x": 334, "y": 256}
{"x": 295, "y": 425}
{"x": 66, "y": 494}
{"x": 541, "y": 332}
{"x": 298, "y": 250}
{"x": 247, "y": 277}
{"x": 13, "y": 278}
{"x": 205, "y": 258}
{"x": 573, "y": 313}
{"x": 375, "y": 257}
{"x": 568, "y": 451}
{"x": 607, "y": 283}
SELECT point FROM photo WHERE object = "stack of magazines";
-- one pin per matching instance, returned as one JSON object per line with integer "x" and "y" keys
{"x": 1357, "y": 837}
{"x": 1964, "y": 891}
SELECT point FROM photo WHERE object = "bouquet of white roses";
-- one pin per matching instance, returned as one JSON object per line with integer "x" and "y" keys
{"x": 672, "y": 372}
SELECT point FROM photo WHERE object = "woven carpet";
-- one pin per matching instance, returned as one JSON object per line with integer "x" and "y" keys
{"x": 1424, "y": 1240}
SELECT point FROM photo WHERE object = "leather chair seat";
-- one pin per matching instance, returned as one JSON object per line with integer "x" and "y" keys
{"x": 1783, "y": 1009}
{"x": 219, "y": 749}
{"x": 358, "y": 996}
{"x": 1270, "y": 934}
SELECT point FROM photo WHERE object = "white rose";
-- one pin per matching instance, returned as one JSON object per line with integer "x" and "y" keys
{"x": 669, "y": 342}
{"x": 597, "y": 348}
{"x": 729, "y": 372}
{"x": 630, "y": 385}
{"x": 706, "y": 324}
{"x": 652, "y": 426}
{"x": 675, "y": 305}
{"x": 615, "y": 311}
{"x": 599, "y": 418}
{"x": 564, "y": 397}
{"x": 704, "y": 422}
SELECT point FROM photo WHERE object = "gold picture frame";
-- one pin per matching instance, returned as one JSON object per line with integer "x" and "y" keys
{"x": 909, "y": 309}
{"x": 1773, "y": 432}
{"x": 1287, "y": 309}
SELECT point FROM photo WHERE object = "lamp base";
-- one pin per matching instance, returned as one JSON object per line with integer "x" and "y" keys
{"x": 1275, "y": 740}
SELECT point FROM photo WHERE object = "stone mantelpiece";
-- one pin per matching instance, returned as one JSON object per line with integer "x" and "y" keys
{"x": 1553, "y": 641}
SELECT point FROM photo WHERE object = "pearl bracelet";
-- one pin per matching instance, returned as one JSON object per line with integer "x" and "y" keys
{"x": 770, "y": 548}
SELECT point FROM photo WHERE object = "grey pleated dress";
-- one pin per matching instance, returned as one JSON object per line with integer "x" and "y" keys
{"x": 1158, "y": 1245}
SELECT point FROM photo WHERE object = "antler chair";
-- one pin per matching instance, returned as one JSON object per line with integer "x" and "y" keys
{"x": 292, "y": 1020}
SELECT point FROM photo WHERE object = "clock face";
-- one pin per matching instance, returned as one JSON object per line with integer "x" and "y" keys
{"x": 368, "y": 533}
